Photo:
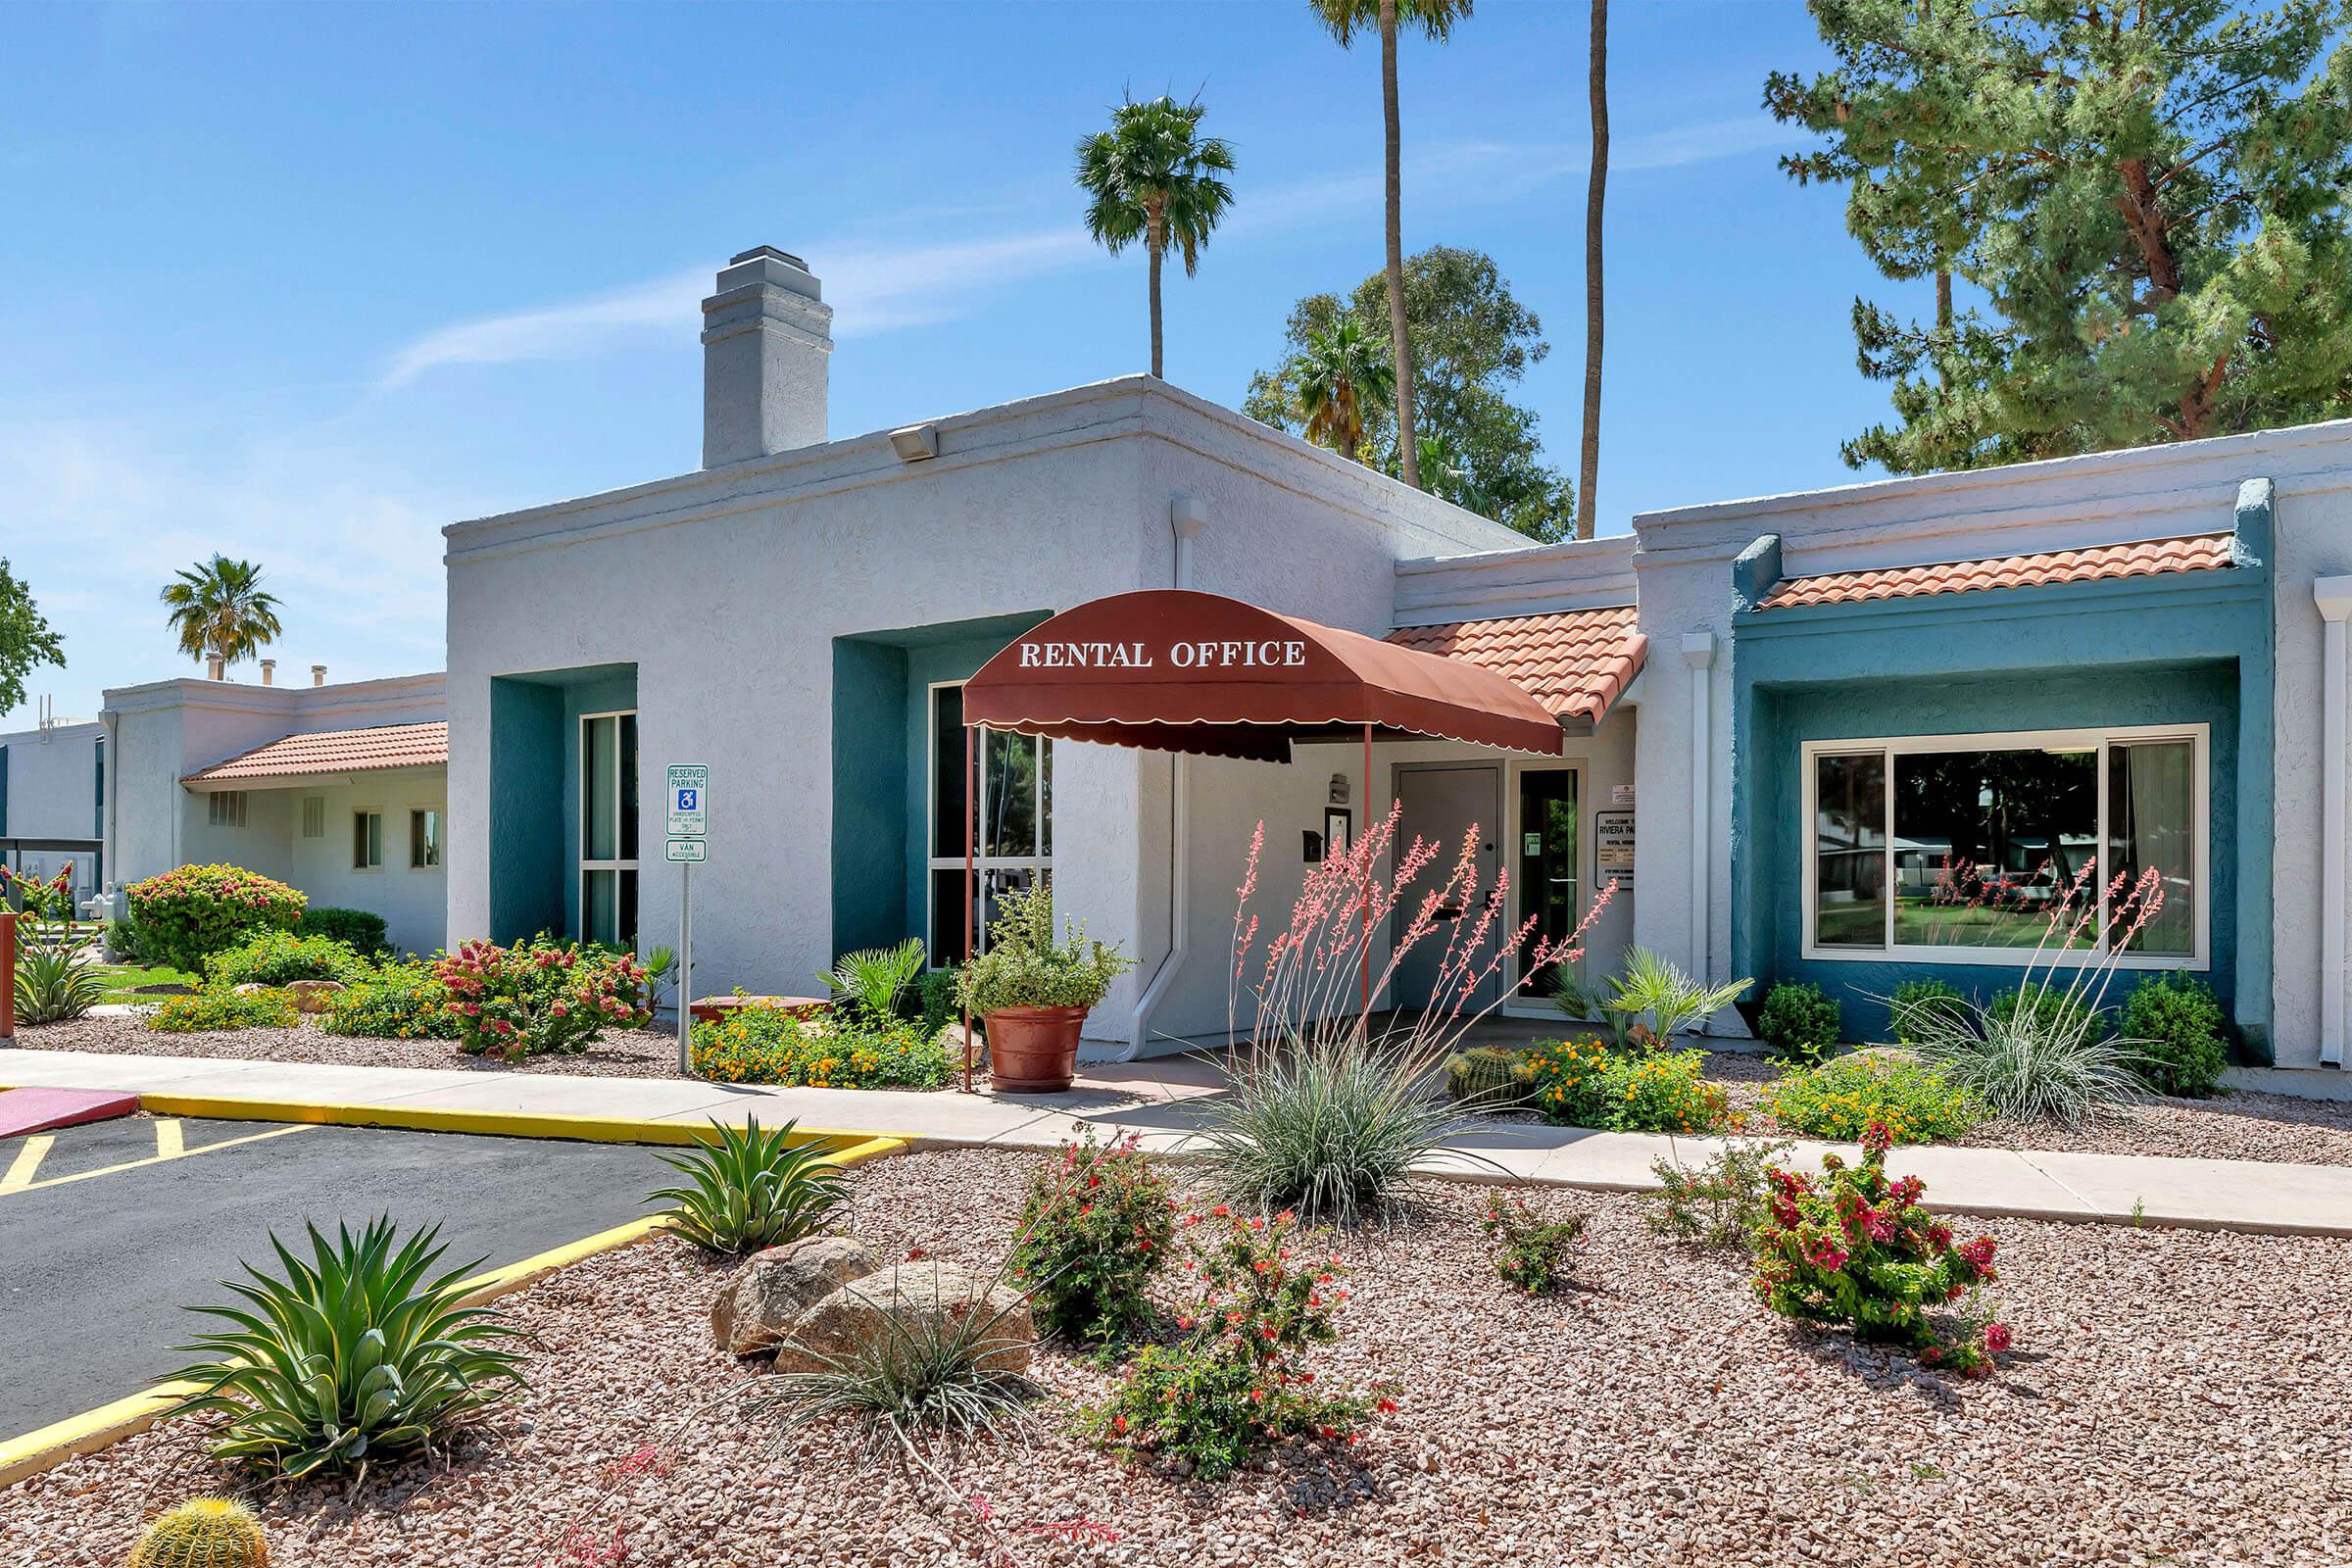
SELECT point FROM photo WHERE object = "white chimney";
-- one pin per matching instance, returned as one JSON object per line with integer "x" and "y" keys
{"x": 268, "y": 671}
{"x": 318, "y": 674}
{"x": 766, "y": 336}
{"x": 215, "y": 667}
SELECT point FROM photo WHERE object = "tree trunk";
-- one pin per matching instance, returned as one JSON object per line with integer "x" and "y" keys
{"x": 1587, "y": 479}
{"x": 1944, "y": 328}
{"x": 1155, "y": 243}
{"x": 1401, "y": 342}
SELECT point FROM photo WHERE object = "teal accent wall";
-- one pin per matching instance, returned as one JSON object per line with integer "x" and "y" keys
{"x": 526, "y": 820}
{"x": 2187, "y": 648}
{"x": 881, "y": 760}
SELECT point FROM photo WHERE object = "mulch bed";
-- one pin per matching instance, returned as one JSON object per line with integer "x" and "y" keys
{"x": 2175, "y": 1396}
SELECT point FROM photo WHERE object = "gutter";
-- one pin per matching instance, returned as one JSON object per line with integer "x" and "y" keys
{"x": 1187, "y": 516}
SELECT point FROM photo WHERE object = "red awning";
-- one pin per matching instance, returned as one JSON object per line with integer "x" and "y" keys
{"x": 1173, "y": 670}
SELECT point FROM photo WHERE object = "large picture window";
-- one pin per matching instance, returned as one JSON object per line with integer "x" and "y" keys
{"x": 1012, "y": 839}
{"x": 1959, "y": 847}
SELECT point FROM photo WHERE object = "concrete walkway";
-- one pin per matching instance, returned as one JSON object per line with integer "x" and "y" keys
{"x": 1162, "y": 1103}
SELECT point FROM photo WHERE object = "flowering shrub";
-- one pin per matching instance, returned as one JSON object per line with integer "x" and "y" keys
{"x": 184, "y": 915}
{"x": 272, "y": 958}
{"x": 220, "y": 1007}
{"x": 827, "y": 1048}
{"x": 1537, "y": 1257}
{"x": 52, "y": 899}
{"x": 540, "y": 995}
{"x": 1852, "y": 1247}
{"x": 399, "y": 1002}
{"x": 1845, "y": 1097}
{"x": 1097, "y": 1225}
{"x": 1584, "y": 1083}
{"x": 1239, "y": 1379}
{"x": 1718, "y": 1203}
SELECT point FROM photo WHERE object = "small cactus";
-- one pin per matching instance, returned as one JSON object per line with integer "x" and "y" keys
{"x": 1486, "y": 1076}
{"x": 203, "y": 1533}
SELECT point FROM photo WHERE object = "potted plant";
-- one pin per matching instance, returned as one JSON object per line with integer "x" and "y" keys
{"x": 1032, "y": 990}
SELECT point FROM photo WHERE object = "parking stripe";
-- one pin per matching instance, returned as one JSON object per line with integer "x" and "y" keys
{"x": 28, "y": 1159}
{"x": 169, "y": 1144}
{"x": 30, "y": 1185}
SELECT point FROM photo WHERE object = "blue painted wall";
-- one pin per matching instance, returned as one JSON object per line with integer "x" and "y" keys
{"x": 2191, "y": 647}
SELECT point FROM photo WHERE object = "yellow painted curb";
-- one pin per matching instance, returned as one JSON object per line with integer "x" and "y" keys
{"x": 47, "y": 1448}
{"x": 442, "y": 1120}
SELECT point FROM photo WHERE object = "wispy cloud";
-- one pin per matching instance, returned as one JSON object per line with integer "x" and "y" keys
{"x": 876, "y": 287}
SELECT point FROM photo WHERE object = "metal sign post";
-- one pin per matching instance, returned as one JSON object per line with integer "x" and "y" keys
{"x": 689, "y": 828}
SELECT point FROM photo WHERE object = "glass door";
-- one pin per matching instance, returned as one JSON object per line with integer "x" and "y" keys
{"x": 609, "y": 829}
{"x": 1548, "y": 868}
{"x": 1013, "y": 842}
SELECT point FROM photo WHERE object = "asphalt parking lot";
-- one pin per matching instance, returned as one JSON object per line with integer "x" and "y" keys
{"x": 108, "y": 1231}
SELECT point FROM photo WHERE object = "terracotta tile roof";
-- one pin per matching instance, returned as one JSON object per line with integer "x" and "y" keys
{"x": 2152, "y": 559}
{"x": 335, "y": 751}
{"x": 1576, "y": 662}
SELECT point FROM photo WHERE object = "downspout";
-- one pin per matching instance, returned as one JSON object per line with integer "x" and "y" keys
{"x": 109, "y": 840}
{"x": 2334, "y": 597}
{"x": 1698, "y": 652}
{"x": 1187, "y": 516}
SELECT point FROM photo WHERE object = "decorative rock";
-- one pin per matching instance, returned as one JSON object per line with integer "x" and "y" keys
{"x": 761, "y": 1298}
{"x": 312, "y": 996}
{"x": 914, "y": 1293}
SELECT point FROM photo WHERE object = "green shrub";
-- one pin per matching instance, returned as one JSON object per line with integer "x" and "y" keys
{"x": 1486, "y": 1076}
{"x": 356, "y": 929}
{"x": 361, "y": 1353}
{"x": 1852, "y": 1247}
{"x": 768, "y": 1044}
{"x": 2048, "y": 1056}
{"x": 219, "y": 1007}
{"x": 873, "y": 980}
{"x": 1913, "y": 998}
{"x": 2174, "y": 1023}
{"x": 185, "y": 916}
{"x": 276, "y": 957}
{"x": 751, "y": 1188}
{"x": 1240, "y": 1378}
{"x": 1718, "y": 1203}
{"x": 123, "y": 941}
{"x": 1584, "y": 1083}
{"x": 1798, "y": 1021}
{"x": 935, "y": 992}
{"x": 1537, "y": 1257}
{"x": 1654, "y": 995}
{"x": 1095, "y": 1226}
{"x": 1842, "y": 1097}
{"x": 1027, "y": 965}
{"x": 1328, "y": 1125}
{"x": 399, "y": 1002}
{"x": 541, "y": 996}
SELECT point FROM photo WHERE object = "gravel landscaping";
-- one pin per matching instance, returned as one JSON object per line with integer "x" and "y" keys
{"x": 2175, "y": 1396}
{"x": 649, "y": 1053}
{"x": 2232, "y": 1125}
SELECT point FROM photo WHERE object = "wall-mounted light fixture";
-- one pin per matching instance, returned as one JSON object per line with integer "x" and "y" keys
{"x": 916, "y": 442}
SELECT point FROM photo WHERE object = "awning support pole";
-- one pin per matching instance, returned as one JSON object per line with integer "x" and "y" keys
{"x": 1363, "y": 967}
{"x": 971, "y": 808}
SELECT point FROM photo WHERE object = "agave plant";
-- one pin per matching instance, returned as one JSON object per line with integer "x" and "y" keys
{"x": 751, "y": 1188}
{"x": 53, "y": 978}
{"x": 359, "y": 1353}
{"x": 876, "y": 977}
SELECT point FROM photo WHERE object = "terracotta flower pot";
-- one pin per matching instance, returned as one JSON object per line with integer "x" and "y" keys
{"x": 1034, "y": 1050}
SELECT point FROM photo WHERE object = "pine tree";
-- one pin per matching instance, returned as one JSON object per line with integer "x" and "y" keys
{"x": 2146, "y": 201}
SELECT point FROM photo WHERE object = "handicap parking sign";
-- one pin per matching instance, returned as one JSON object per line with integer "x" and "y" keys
{"x": 689, "y": 800}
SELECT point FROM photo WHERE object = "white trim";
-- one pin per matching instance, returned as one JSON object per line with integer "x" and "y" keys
{"x": 440, "y": 811}
{"x": 2096, "y": 740}
{"x": 617, "y": 862}
{"x": 1698, "y": 652}
{"x": 2333, "y": 596}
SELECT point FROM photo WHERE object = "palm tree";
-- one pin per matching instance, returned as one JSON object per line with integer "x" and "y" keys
{"x": 1342, "y": 379}
{"x": 1595, "y": 185}
{"x": 1154, "y": 177}
{"x": 220, "y": 612}
{"x": 1435, "y": 19}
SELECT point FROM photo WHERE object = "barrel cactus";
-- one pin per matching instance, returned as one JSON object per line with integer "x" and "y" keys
{"x": 1485, "y": 1076}
{"x": 203, "y": 1533}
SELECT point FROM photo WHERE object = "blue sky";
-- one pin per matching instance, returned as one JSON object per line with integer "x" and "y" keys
{"x": 304, "y": 283}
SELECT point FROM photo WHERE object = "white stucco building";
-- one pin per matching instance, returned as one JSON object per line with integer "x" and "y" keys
{"x": 52, "y": 801}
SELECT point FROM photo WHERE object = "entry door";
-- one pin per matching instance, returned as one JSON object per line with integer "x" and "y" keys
{"x": 1440, "y": 803}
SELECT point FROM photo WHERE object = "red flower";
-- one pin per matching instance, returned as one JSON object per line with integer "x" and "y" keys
{"x": 1997, "y": 1338}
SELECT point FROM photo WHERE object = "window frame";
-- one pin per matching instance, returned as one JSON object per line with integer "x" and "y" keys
{"x": 2098, "y": 740}
{"x": 620, "y": 865}
{"x": 356, "y": 812}
{"x": 1040, "y": 865}
{"x": 440, "y": 812}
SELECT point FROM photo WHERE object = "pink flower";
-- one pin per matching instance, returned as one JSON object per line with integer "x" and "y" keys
{"x": 1997, "y": 1338}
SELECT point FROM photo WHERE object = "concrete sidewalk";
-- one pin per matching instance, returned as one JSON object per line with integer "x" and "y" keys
{"x": 1164, "y": 1102}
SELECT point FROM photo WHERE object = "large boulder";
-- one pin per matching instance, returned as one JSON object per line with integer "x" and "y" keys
{"x": 313, "y": 996}
{"x": 918, "y": 1296}
{"x": 761, "y": 1298}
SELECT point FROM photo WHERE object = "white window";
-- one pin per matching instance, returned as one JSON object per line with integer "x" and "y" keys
{"x": 225, "y": 809}
{"x": 367, "y": 840}
{"x": 424, "y": 838}
{"x": 314, "y": 816}
{"x": 1955, "y": 849}
{"x": 1012, "y": 822}
{"x": 609, "y": 828}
